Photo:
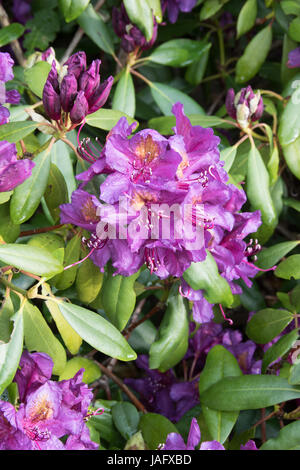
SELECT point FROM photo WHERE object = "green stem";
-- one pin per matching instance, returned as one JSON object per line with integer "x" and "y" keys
{"x": 13, "y": 287}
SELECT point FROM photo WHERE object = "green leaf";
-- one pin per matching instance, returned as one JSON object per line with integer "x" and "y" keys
{"x": 10, "y": 353}
{"x": 91, "y": 369}
{"x": 295, "y": 297}
{"x": 281, "y": 347}
{"x": 118, "y": 298}
{"x": 293, "y": 203}
{"x": 290, "y": 7}
{"x": 95, "y": 28}
{"x": 73, "y": 8}
{"x": 289, "y": 268}
{"x": 165, "y": 96}
{"x": 61, "y": 158}
{"x": 36, "y": 77}
{"x": 249, "y": 392}
{"x": 106, "y": 119}
{"x": 41, "y": 30}
{"x": 291, "y": 153}
{"x": 289, "y": 126}
{"x": 15, "y": 131}
{"x": 89, "y": 281}
{"x": 247, "y": 17}
{"x": 10, "y": 33}
{"x": 69, "y": 336}
{"x": 179, "y": 52}
{"x": 39, "y": 337}
{"x": 254, "y": 55}
{"x": 294, "y": 29}
{"x": 56, "y": 192}
{"x": 155, "y": 429}
{"x": 8, "y": 230}
{"x": 268, "y": 257}
{"x": 258, "y": 193}
{"x": 124, "y": 96}
{"x": 33, "y": 259}
{"x": 72, "y": 252}
{"x": 287, "y": 439}
{"x": 172, "y": 342}
{"x": 228, "y": 155}
{"x": 27, "y": 196}
{"x": 156, "y": 8}
{"x": 266, "y": 324}
{"x": 209, "y": 8}
{"x": 196, "y": 70}
{"x": 165, "y": 124}
{"x": 294, "y": 377}
{"x": 219, "y": 363}
{"x": 97, "y": 331}
{"x": 126, "y": 419}
{"x": 141, "y": 15}
{"x": 6, "y": 313}
{"x": 205, "y": 275}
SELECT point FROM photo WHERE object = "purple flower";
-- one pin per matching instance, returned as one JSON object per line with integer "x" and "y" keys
{"x": 82, "y": 211}
{"x": 131, "y": 35}
{"x": 70, "y": 98}
{"x": 47, "y": 411}
{"x": 175, "y": 441}
{"x": 294, "y": 58}
{"x": 245, "y": 106}
{"x": 163, "y": 393}
{"x": 12, "y": 171}
{"x": 176, "y": 6}
{"x": 22, "y": 10}
{"x": 12, "y": 96}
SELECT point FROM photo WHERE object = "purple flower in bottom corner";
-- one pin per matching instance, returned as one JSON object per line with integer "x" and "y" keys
{"x": 294, "y": 58}
{"x": 12, "y": 171}
{"x": 175, "y": 442}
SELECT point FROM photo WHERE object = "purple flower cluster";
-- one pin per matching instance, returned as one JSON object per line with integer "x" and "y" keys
{"x": 245, "y": 106}
{"x": 12, "y": 96}
{"x": 174, "y": 7}
{"x": 131, "y": 36}
{"x": 163, "y": 393}
{"x": 175, "y": 441}
{"x": 75, "y": 92}
{"x": 147, "y": 174}
{"x": 47, "y": 411}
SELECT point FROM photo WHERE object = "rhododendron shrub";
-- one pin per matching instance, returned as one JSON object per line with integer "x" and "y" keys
{"x": 149, "y": 228}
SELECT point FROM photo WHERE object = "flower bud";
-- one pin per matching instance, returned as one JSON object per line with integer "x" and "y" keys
{"x": 68, "y": 92}
{"x": 131, "y": 36}
{"x": 98, "y": 99}
{"x": 51, "y": 99}
{"x": 245, "y": 106}
{"x": 79, "y": 109}
{"x": 90, "y": 80}
{"x": 76, "y": 64}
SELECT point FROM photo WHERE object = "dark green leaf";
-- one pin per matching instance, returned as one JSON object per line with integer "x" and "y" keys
{"x": 172, "y": 341}
{"x": 179, "y": 52}
{"x": 10, "y": 353}
{"x": 165, "y": 96}
{"x": 287, "y": 439}
{"x": 289, "y": 268}
{"x": 278, "y": 349}
{"x": 15, "y": 131}
{"x": 10, "y": 33}
{"x": 36, "y": 77}
{"x": 249, "y": 392}
{"x": 126, "y": 419}
{"x": 106, "y": 118}
{"x": 95, "y": 28}
{"x": 247, "y": 17}
{"x": 266, "y": 324}
{"x": 219, "y": 363}
{"x": 124, "y": 96}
